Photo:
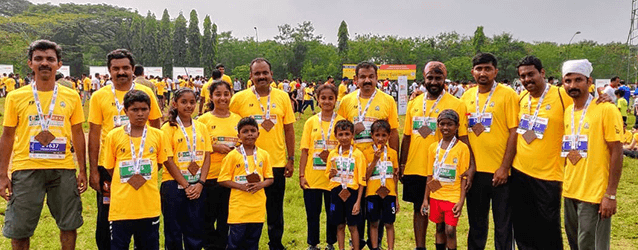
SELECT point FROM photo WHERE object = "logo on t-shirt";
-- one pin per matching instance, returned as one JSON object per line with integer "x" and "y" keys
{"x": 152, "y": 150}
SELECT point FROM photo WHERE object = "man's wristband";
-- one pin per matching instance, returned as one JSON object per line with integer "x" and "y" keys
{"x": 610, "y": 196}
{"x": 291, "y": 158}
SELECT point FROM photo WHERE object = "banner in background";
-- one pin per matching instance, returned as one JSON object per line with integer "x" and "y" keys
{"x": 65, "y": 70}
{"x": 187, "y": 71}
{"x": 403, "y": 94}
{"x": 102, "y": 70}
{"x": 153, "y": 71}
{"x": 391, "y": 71}
{"x": 6, "y": 69}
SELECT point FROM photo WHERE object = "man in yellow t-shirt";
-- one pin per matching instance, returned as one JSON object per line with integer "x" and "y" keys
{"x": 86, "y": 88}
{"x": 594, "y": 161}
{"x": 106, "y": 113}
{"x": 308, "y": 98}
{"x": 415, "y": 146}
{"x": 10, "y": 83}
{"x": 492, "y": 133}
{"x": 247, "y": 197}
{"x": 537, "y": 170}
{"x": 273, "y": 111}
{"x": 161, "y": 89}
{"x": 42, "y": 123}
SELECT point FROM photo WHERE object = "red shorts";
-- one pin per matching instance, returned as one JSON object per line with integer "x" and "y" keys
{"x": 441, "y": 211}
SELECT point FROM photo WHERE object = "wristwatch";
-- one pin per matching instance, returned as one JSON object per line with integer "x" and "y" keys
{"x": 611, "y": 197}
{"x": 201, "y": 182}
{"x": 291, "y": 158}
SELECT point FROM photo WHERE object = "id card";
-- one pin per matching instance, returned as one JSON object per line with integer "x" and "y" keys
{"x": 56, "y": 149}
{"x": 348, "y": 162}
{"x": 376, "y": 174}
{"x": 224, "y": 140}
{"x": 317, "y": 162}
{"x": 420, "y": 121}
{"x": 185, "y": 156}
{"x": 581, "y": 145}
{"x": 539, "y": 127}
{"x": 127, "y": 169}
{"x": 366, "y": 134}
{"x": 486, "y": 121}
{"x": 447, "y": 174}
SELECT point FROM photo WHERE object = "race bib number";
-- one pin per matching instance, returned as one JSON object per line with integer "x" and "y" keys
{"x": 539, "y": 127}
{"x": 376, "y": 174}
{"x": 366, "y": 134}
{"x": 123, "y": 120}
{"x": 189, "y": 177}
{"x": 341, "y": 165}
{"x": 260, "y": 118}
{"x": 56, "y": 120}
{"x": 241, "y": 179}
{"x": 185, "y": 157}
{"x": 127, "y": 169}
{"x": 56, "y": 149}
{"x": 317, "y": 162}
{"x": 447, "y": 174}
{"x": 486, "y": 121}
{"x": 420, "y": 121}
{"x": 228, "y": 141}
{"x": 581, "y": 145}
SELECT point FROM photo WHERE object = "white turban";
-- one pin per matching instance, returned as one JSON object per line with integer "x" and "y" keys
{"x": 582, "y": 66}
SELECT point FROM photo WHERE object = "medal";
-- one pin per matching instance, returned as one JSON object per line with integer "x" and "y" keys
{"x": 344, "y": 172}
{"x": 425, "y": 130}
{"x": 324, "y": 155}
{"x": 344, "y": 194}
{"x": 44, "y": 137}
{"x": 359, "y": 127}
{"x": 530, "y": 135}
{"x": 267, "y": 124}
{"x": 478, "y": 127}
{"x": 434, "y": 185}
{"x": 136, "y": 181}
{"x": 574, "y": 156}
{"x": 254, "y": 176}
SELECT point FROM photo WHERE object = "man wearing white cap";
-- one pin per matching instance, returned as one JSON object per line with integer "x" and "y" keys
{"x": 593, "y": 150}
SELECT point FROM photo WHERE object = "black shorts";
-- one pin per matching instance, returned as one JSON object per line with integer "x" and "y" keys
{"x": 340, "y": 211}
{"x": 381, "y": 209}
{"x": 414, "y": 189}
{"x": 160, "y": 96}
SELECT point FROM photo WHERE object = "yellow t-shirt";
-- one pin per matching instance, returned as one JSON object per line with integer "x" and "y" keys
{"x": 587, "y": 180}
{"x": 87, "y": 84}
{"x": 627, "y": 137}
{"x": 21, "y": 81}
{"x": 20, "y": 112}
{"x": 102, "y": 111}
{"x": 249, "y": 84}
{"x": 180, "y": 149}
{"x": 489, "y": 147}
{"x": 458, "y": 160}
{"x": 227, "y": 79}
{"x": 10, "y": 84}
{"x": 356, "y": 172}
{"x": 273, "y": 85}
{"x": 161, "y": 87}
{"x": 541, "y": 159}
{"x": 418, "y": 152}
{"x": 245, "y": 104}
{"x": 205, "y": 93}
{"x": 308, "y": 92}
{"x": 311, "y": 139}
{"x": 280, "y": 86}
{"x": 382, "y": 106}
{"x": 221, "y": 131}
{"x": 244, "y": 207}
{"x": 343, "y": 90}
{"x": 126, "y": 202}
{"x": 374, "y": 183}
{"x": 2, "y": 79}
{"x": 592, "y": 88}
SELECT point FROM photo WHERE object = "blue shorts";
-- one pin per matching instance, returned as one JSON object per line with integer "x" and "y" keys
{"x": 381, "y": 209}
{"x": 340, "y": 211}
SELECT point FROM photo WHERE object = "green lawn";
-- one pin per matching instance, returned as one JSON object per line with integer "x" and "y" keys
{"x": 625, "y": 222}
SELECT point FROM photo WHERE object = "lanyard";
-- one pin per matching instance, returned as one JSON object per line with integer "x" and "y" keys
{"x": 118, "y": 119}
{"x": 44, "y": 121}
{"x": 323, "y": 135}
{"x": 437, "y": 163}
{"x": 191, "y": 149}
{"x": 438, "y": 99}
{"x": 345, "y": 170}
{"x": 362, "y": 115}
{"x": 267, "y": 110}
{"x": 532, "y": 120}
{"x": 580, "y": 123}
{"x": 479, "y": 114}
{"x": 243, "y": 153}
{"x": 136, "y": 158}
{"x": 383, "y": 168}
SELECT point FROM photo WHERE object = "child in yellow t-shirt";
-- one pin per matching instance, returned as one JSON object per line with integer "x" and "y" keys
{"x": 447, "y": 160}
{"x": 381, "y": 191}
{"x": 246, "y": 171}
{"x": 346, "y": 168}
{"x": 131, "y": 154}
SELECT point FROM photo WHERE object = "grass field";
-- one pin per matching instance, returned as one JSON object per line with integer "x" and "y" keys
{"x": 624, "y": 226}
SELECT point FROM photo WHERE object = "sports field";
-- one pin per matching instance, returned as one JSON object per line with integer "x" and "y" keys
{"x": 624, "y": 224}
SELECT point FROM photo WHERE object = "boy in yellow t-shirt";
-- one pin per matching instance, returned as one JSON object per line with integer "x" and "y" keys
{"x": 346, "y": 168}
{"x": 445, "y": 189}
{"x": 246, "y": 171}
{"x": 131, "y": 154}
{"x": 382, "y": 186}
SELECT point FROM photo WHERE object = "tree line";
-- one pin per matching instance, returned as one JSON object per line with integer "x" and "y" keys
{"x": 88, "y": 32}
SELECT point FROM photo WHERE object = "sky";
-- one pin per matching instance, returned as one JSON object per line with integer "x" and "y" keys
{"x": 529, "y": 21}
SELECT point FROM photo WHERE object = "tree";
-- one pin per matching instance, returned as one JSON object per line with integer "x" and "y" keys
{"x": 194, "y": 41}
{"x": 207, "y": 48}
{"x": 179, "y": 41}
{"x": 13, "y": 7}
{"x": 342, "y": 46}
{"x": 150, "y": 41}
{"x": 479, "y": 39}
{"x": 164, "y": 43}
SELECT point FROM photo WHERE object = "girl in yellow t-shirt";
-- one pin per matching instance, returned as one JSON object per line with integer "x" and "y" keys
{"x": 183, "y": 182}
{"x": 312, "y": 179}
{"x": 222, "y": 129}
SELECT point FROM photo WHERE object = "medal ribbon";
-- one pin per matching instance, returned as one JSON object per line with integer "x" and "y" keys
{"x": 136, "y": 158}
{"x": 383, "y": 168}
{"x": 345, "y": 170}
{"x": 44, "y": 121}
{"x": 118, "y": 119}
{"x": 437, "y": 163}
{"x": 479, "y": 114}
{"x": 532, "y": 120}
{"x": 266, "y": 111}
{"x": 323, "y": 135}
{"x": 191, "y": 149}
{"x": 433, "y": 106}
{"x": 576, "y": 134}
{"x": 362, "y": 115}
{"x": 243, "y": 153}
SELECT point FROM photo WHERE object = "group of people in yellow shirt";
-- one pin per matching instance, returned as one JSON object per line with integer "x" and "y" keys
{"x": 222, "y": 173}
